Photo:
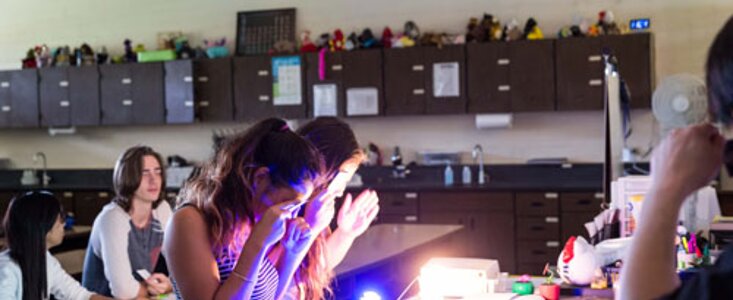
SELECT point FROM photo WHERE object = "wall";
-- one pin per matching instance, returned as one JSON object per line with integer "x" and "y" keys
{"x": 683, "y": 30}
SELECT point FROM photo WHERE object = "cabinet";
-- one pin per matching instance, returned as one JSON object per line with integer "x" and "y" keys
{"x": 132, "y": 94}
{"x": 213, "y": 89}
{"x": 253, "y": 90}
{"x": 19, "y": 99}
{"x": 538, "y": 230}
{"x": 69, "y": 96}
{"x": 179, "y": 100}
{"x": 578, "y": 209}
{"x": 88, "y": 204}
{"x": 398, "y": 207}
{"x": 510, "y": 77}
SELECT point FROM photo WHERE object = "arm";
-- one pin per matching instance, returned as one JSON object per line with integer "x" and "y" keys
{"x": 296, "y": 243}
{"x": 684, "y": 162}
{"x": 353, "y": 220}
{"x": 114, "y": 231}
{"x": 63, "y": 286}
{"x": 10, "y": 280}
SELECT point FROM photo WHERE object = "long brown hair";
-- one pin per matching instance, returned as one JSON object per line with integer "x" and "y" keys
{"x": 336, "y": 143}
{"x": 223, "y": 189}
{"x": 129, "y": 172}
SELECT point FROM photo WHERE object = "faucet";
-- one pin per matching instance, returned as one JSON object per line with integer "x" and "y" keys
{"x": 478, "y": 154}
{"x": 45, "y": 178}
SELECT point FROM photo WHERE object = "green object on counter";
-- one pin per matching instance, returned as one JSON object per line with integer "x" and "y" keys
{"x": 523, "y": 288}
{"x": 160, "y": 55}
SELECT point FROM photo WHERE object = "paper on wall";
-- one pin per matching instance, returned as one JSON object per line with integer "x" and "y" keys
{"x": 286, "y": 81}
{"x": 324, "y": 100}
{"x": 362, "y": 101}
{"x": 446, "y": 79}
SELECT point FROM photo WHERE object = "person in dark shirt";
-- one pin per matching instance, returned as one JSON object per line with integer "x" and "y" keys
{"x": 685, "y": 161}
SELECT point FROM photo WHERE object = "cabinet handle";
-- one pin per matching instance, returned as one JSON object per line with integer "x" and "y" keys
{"x": 264, "y": 98}
{"x": 552, "y": 244}
{"x": 188, "y": 103}
{"x": 64, "y": 103}
{"x": 126, "y": 80}
{"x": 411, "y": 195}
{"x": 103, "y": 195}
{"x": 5, "y": 108}
{"x": 418, "y": 67}
{"x": 204, "y": 103}
{"x": 552, "y": 220}
{"x": 418, "y": 91}
{"x": 127, "y": 102}
{"x": 5, "y": 84}
{"x": 68, "y": 194}
{"x": 203, "y": 79}
{"x": 187, "y": 79}
{"x": 594, "y": 58}
{"x": 337, "y": 67}
{"x": 63, "y": 83}
{"x": 503, "y": 61}
{"x": 411, "y": 218}
{"x": 599, "y": 196}
{"x": 595, "y": 82}
{"x": 263, "y": 73}
{"x": 551, "y": 195}
{"x": 505, "y": 88}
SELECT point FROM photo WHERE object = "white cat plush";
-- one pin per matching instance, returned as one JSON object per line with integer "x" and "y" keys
{"x": 577, "y": 262}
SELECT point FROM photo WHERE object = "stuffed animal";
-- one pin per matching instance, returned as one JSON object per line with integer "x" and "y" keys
{"x": 532, "y": 31}
{"x": 577, "y": 262}
{"x": 387, "y": 37}
{"x": 102, "y": 56}
{"x": 183, "y": 49}
{"x": 87, "y": 55}
{"x": 322, "y": 41}
{"x": 214, "y": 49}
{"x": 352, "y": 42}
{"x": 495, "y": 31}
{"x": 412, "y": 31}
{"x": 129, "y": 54}
{"x": 306, "y": 45}
{"x": 607, "y": 23}
{"x": 402, "y": 41}
{"x": 282, "y": 46}
{"x": 337, "y": 43}
{"x": 62, "y": 57}
{"x": 367, "y": 39}
{"x": 43, "y": 56}
{"x": 29, "y": 62}
{"x": 471, "y": 30}
{"x": 512, "y": 31}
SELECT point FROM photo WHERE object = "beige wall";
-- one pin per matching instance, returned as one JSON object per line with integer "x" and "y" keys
{"x": 683, "y": 29}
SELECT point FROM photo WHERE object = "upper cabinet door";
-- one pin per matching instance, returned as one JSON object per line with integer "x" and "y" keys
{"x": 363, "y": 85}
{"x": 116, "y": 94}
{"x": 213, "y": 89}
{"x": 5, "y": 101}
{"x": 532, "y": 75}
{"x": 24, "y": 108}
{"x": 288, "y": 86}
{"x": 54, "y": 96}
{"x": 148, "y": 94}
{"x": 487, "y": 78}
{"x": 328, "y": 87}
{"x": 579, "y": 74}
{"x": 84, "y": 95}
{"x": 179, "y": 102}
{"x": 445, "y": 81}
{"x": 404, "y": 81}
{"x": 252, "y": 88}
{"x": 634, "y": 55}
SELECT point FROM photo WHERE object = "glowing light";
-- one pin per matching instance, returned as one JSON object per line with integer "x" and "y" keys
{"x": 370, "y": 295}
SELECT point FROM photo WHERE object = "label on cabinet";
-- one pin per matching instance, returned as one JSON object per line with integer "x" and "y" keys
{"x": 418, "y": 92}
{"x": 362, "y": 102}
{"x": 595, "y": 82}
{"x": 324, "y": 100}
{"x": 337, "y": 67}
{"x": 418, "y": 68}
{"x": 63, "y": 83}
{"x": 446, "y": 80}
{"x": 594, "y": 58}
{"x": 126, "y": 80}
{"x": 505, "y": 88}
{"x": 503, "y": 61}
{"x": 127, "y": 102}
{"x": 204, "y": 103}
{"x": 262, "y": 73}
{"x": 203, "y": 79}
{"x": 264, "y": 98}
{"x": 64, "y": 103}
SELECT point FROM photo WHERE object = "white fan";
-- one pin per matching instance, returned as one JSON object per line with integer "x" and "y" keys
{"x": 680, "y": 100}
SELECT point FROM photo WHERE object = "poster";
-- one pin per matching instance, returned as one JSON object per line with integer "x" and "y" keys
{"x": 286, "y": 81}
{"x": 362, "y": 102}
{"x": 324, "y": 100}
{"x": 446, "y": 80}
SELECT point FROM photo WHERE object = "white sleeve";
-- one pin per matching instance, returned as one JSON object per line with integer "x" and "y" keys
{"x": 163, "y": 213}
{"x": 61, "y": 284}
{"x": 114, "y": 232}
{"x": 10, "y": 281}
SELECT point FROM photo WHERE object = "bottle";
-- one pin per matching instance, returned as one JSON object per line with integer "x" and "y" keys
{"x": 466, "y": 175}
{"x": 448, "y": 174}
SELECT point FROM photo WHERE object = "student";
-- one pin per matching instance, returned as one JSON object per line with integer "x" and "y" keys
{"x": 684, "y": 162}
{"x": 236, "y": 234}
{"x": 342, "y": 156}
{"x": 33, "y": 224}
{"x": 127, "y": 235}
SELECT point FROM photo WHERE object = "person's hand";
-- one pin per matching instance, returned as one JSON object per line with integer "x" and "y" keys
{"x": 158, "y": 284}
{"x": 297, "y": 236}
{"x": 271, "y": 227}
{"x": 687, "y": 159}
{"x": 355, "y": 216}
{"x": 320, "y": 211}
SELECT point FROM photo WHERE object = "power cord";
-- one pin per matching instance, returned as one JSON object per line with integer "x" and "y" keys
{"x": 407, "y": 289}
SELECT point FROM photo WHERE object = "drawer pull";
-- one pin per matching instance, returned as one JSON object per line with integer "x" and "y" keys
{"x": 264, "y": 98}
{"x": 263, "y": 73}
{"x": 503, "y": 61}
{"x": 418, "y": 68}
{"x": 411, "y": 218}
{"x": 187, "y": 79}
{"x": 553, "y": 244}
{"x": 204, "y": 103}
{"x": 103, "y": 195}
{"x": 68, "y": 194}
{"x": 6, "y": 108}
{"x": 504, "y": 88}
{"x": 63, "y": 83}
{"x": 5, "y": 84}
{"x": 203, "y": 79}
{"x": 599, "y": 196}
{"x": 551, "y": 195}
{"x": 418, "y": 91}
{"x": 552, "y": 220}
{"x": 126, "y": 80}
{"x": 594, "y": 58}
{"x": 595, "y": 82}
{"x": 411, "y": 195}
{"x": 127, "y": 102}
{"x": 64, "y": 103}
{"x": 337, "y": 67}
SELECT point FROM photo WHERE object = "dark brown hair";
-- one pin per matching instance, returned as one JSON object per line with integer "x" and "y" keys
{"x": 129, "y": 172}
{"x": 335, "y": 141}
{"x": 719, "y": 70}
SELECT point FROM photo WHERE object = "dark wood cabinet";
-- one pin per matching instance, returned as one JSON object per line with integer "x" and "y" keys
{"x": 132, "y": 94}
{"x": 404, "y": 81}
{"x": 511, "y": 77}
{"x": 578, "y": 209}
{"x": 19, "y": 99}
{"x": 88, "y": 204}
{"x": 179, "y": 99}
{"x": 538, "y": 230}
{"x": 69, "y": 96}
{"x": 445, "y": 60}
{"x": 213, "y": 89}
{"x": 398, "y": 207}
{"x": 253, "y": 90}
{"x": 332, "y": 67}
{"x": 579, "y": 70}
